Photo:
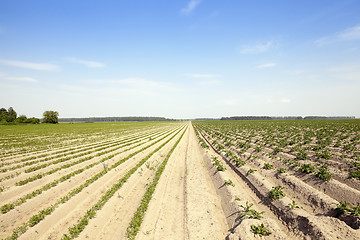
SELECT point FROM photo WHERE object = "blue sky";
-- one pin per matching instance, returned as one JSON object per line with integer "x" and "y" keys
{"x": 180, "y": 59}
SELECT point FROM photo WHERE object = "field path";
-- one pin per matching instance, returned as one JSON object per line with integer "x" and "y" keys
{"x": 185, "y": 204}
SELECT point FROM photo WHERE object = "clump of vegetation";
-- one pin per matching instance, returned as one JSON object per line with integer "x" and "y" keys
{"x": 324, "y": 173}
{"x": 324, "y": 154}
{"x": 276, "y": 193}
{"x": 229, "y": 182}
{"x": 257, "y": 149}
{"x": 307, "y": 168}
{"x": 301, "y": 155}
{"x": 277, "y": 150}
{"x": 260, "y": 229}
{"x": 10, "y": 117}
{"x": 282, "y": 170}
{"x": 219, "y": 165}
{"x": 346, "y": 207}
{"x": 268, "y": 166}
{"x": 238, "y": 161}
{"x": 355, "y": 174}
{"x": 251, "y": 213}
{"x": 293, "y": 204}
{"x": 203, "y": 143}
{"x": 250, "y": 171}
{"x": 50, "y": 117}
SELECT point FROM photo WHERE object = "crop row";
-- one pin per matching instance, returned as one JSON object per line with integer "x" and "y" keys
{"x": 42, "y": 213}
{"x": 9, "y": 206}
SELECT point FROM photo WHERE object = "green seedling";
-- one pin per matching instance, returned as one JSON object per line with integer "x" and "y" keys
{"x": 324, "y": 173}
{"x": 307, "y": 168}
{"x": 293, "y": 204}
{"x": 250, "y": 171}
{"x": 260, "y": 229}
{"x": 250, "y": 212}
{"x": 268, "y": 166}
{"x": 276, "y": 193}
{"x": 229, "y": 182}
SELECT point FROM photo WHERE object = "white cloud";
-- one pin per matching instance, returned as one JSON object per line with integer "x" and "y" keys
{"x": 191, "y": 6}
{"x": 267, "y": 65}
{"x": 90, "y": 64}
{"x": 352, "y": 33}
{"x": 198, "y": 75}
{"x": 4, "y": 76}
{"x": 31, "y": 65}
{"x": 349, "y": 34}
{"x": 257, "y": 48}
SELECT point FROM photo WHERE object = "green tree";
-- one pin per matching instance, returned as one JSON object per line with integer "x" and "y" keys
{"x": 12, "y": 114}
{"x": 50, "y": 117}
{"x": 21, "y": 119}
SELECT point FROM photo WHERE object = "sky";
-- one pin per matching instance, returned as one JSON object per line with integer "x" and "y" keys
{"x": 180, "y": 58}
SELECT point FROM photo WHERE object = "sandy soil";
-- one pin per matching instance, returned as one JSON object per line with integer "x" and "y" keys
{"x": 185, "y": 203}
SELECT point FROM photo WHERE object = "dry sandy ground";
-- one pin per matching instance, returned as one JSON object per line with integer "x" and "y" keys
{"x": 185, "y": 204}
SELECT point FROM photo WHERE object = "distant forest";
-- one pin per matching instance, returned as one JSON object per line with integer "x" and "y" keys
{"x": 116, "y": 119}
{"x": 284, "y": 118}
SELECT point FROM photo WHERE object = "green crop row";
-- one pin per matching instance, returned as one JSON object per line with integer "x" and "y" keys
{"x": 42, "y": 213}
{"x": 76, "y": 229}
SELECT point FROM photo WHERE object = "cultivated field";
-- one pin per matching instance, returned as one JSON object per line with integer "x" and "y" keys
{"x": 181, "y": 180}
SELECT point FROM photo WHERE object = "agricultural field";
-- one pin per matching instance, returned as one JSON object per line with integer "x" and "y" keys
{"x": 290, "y": 178}
{"x": 181, "y": 180}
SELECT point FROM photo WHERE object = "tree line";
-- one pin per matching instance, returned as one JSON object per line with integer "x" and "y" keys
{"x": 10, "y": 117}
{"x": 116, "y": 119}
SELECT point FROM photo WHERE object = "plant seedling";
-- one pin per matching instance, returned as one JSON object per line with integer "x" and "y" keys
{"x": 250, "y": 212}
{"x": 341, "y": 208}
{"x": 268, "y": 166}
{"x": 229, "y": 182}
{"x": 324, "y": 173}
{"x": 293, "y": 204}
{"x": 276, "y": 193}
{"x": 307, "y": 168}
{"x": 260, "y": 229}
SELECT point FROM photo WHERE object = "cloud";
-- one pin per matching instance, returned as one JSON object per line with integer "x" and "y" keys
{"x": 267, "y": 65}
{"x": 349, "y": 34}
{"x": 257, "y": 48}
{"x": 191, "y": 6}
{"x": 90, "y": 64}
{"x": 352, "y": 33}
{"x": 31, "y": 65}
{"x": 4, "y": 76}
{"x": 197, "y": 75}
